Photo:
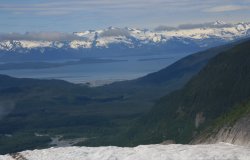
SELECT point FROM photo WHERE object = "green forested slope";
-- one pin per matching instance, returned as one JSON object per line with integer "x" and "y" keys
{"x": 221, "y": 85}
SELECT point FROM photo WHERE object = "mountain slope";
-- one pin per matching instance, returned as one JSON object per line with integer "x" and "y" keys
{"x": 221, "y": 85}
{"x": 9, "y": 82}
{"x": 146, "y": 90}
{"x": 232, "y": 127}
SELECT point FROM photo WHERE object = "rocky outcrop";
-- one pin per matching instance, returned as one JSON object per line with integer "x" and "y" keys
{"x": 199, "y": 119}
{"x": 238, "y": 133}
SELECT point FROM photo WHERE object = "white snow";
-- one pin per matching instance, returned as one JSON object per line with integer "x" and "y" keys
{"x": 89, "y": 35}
{"x": 6, "y": 45}
{"x": 33, "y": 44}
{"x": 201, "y": 33}
{"x": 219, "y": 22}
{"x": 220, "y": 151}
{"x": 106, "y": 41}
{"x": 80, "y": 44}
{"x": 58, "y": 44}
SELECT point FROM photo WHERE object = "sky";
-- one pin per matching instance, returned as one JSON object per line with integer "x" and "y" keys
{"x": 79, "y": 15}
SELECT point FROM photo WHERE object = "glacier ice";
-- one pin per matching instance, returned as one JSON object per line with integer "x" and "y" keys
{"x": 220, "y": 151}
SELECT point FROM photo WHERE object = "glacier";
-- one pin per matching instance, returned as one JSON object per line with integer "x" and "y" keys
{"x": 219, "y": 151}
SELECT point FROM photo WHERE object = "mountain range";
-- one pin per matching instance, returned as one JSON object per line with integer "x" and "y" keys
{"x": 184, "y": 38}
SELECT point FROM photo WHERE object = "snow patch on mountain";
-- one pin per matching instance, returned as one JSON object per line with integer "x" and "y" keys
{"x": 6, "y": 45}
{"x": 28, "y": 44}
{"x": 220, "y": 151}
{"x": 34, "y": 44}
{"x": 106, "y": 41}
{"x": 80, "y": 44}
{"x": 58, "y": 44}
{"x": 228, "y": 33}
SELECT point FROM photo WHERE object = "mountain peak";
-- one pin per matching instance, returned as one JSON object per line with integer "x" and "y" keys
{"x": 218, "y": 22}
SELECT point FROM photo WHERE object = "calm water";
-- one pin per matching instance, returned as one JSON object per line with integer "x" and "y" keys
{"x": 101, "y": 73}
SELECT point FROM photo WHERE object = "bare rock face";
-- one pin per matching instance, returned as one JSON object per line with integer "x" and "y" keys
{"x": 238, "y": 134}
{"x": 199, "y": 119}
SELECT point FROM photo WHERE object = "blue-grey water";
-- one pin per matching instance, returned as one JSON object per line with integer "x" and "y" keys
{"x": 101, "y": 73}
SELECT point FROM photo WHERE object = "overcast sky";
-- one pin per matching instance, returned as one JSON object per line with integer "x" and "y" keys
{"x": 78, "y": 15}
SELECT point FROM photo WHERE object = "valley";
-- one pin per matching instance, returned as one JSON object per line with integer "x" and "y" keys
{"x": 103, "y": 115}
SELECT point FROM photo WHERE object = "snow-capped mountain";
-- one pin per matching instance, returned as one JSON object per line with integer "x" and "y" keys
{"x": 199, "y": 36}
{"x": 112, "y": 35}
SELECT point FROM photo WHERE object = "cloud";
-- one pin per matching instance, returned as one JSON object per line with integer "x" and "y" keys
{"x": 75, "y": 15}
{"x": 205, "y": 25}
{"x": 192, "y": 26}
{"x": 57, "y": 7}
{"x": 164, "y": 28}
{"x": 62, "y": 7}
{"x": 227, "y": 8}
{"x": 49, "y": 36}
{"x": 115, "y": 32}
{"x": 52, "y": 13}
